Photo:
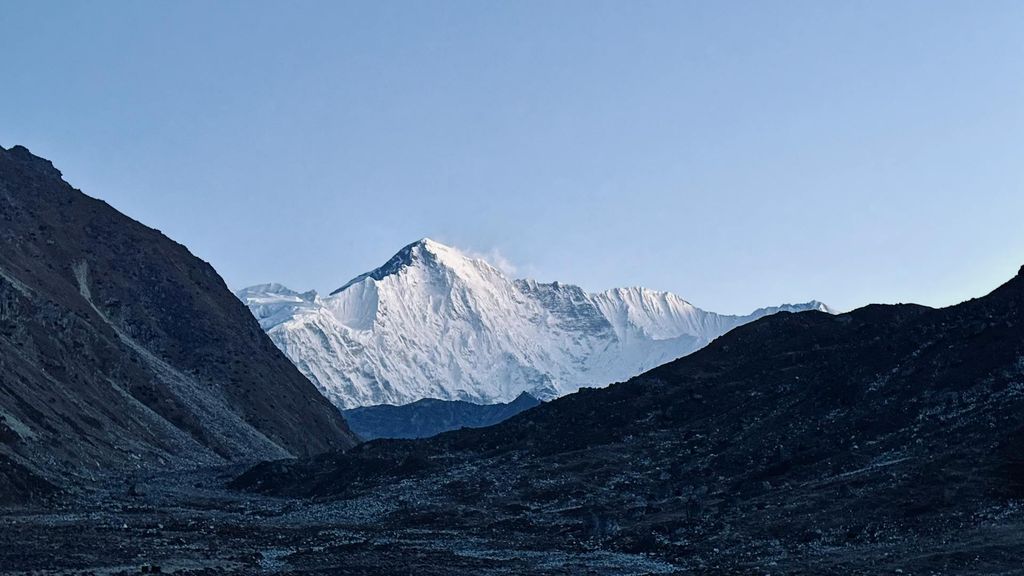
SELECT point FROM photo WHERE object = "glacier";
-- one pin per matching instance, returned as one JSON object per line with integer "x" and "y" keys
{"x": 433, "y": 322}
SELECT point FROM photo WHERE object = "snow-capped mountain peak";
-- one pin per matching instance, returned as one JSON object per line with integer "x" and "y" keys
{"x": 434, "y": 322}
{"x": 427, "y": 253}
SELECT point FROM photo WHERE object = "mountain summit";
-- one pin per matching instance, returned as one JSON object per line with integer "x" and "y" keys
{"x": 424, "y": 251}
{"x": 433, "y": 322}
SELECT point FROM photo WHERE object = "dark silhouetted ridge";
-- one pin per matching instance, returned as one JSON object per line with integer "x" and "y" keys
{"x": 121, "y": 350}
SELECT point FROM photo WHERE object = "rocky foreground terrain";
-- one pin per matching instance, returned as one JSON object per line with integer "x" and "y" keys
{"x": 191, "y": 525}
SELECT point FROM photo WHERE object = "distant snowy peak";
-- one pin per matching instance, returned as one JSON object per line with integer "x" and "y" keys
{"x": 274, "y": 303}
{"x": 427, "y": 253}
{"x": 812, "y": 305}
{"x": 433, "y": 322}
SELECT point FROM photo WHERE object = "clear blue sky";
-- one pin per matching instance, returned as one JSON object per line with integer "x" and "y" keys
{"x": 737, "y": 153}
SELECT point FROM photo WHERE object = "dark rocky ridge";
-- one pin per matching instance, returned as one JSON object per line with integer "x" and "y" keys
{"x": 121, "y": 350}
{"x": 888, "y": 439}
{"x": 430, "y": 417}
{"x": 399, "y": 261}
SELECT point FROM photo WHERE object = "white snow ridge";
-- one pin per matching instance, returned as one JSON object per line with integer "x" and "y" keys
{"x": 435, "y": 323}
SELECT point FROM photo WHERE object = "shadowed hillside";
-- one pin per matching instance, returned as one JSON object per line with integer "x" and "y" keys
{"x": 120, "y": 350}
{"x": 429, "y": 417}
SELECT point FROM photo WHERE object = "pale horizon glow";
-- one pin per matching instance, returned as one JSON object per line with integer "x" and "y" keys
{"x": 738, "y": 154}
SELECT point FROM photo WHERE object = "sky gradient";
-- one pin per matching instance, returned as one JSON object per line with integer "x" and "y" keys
{"x": 740, "y": 154}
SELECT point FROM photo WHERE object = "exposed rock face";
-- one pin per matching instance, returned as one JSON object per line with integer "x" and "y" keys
{"x": 120, "y": 349}
{"x": 861, "y": 443}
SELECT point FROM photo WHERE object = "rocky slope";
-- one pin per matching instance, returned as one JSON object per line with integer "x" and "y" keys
{"x": 121, "y": 350}
{"x": 435, "y": 323}
{"x": 885, "y": 440}
{"x": 429, "y": 417}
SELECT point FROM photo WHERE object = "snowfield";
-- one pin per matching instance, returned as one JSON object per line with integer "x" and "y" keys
{"x": 433, "y": 322}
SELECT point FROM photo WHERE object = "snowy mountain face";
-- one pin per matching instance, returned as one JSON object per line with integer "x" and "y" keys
{"x": 435, "y": 323}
